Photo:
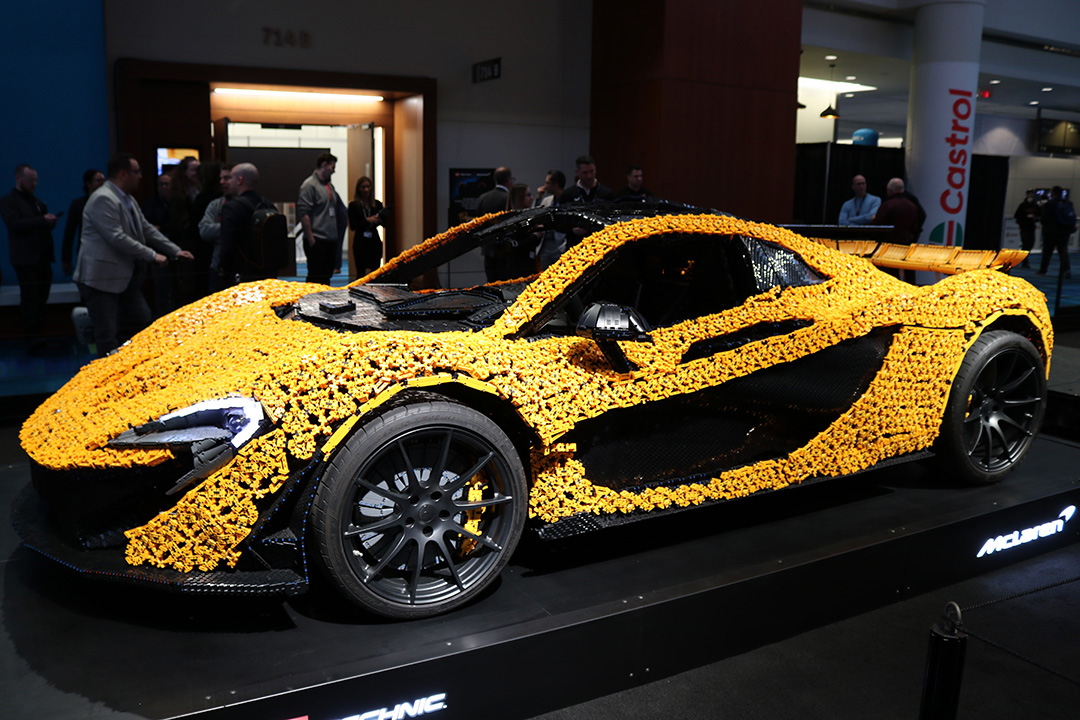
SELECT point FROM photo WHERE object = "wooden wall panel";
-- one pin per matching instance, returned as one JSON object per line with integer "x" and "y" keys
{"x": 171, "y": 113}
{"x": 703, "y": 95}
{"x": 739, "y": 151}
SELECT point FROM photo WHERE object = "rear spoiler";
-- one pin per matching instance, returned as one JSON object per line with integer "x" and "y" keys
{"x": 935, "y": 258}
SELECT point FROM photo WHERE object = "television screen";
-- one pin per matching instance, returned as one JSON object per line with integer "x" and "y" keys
{"x": 1042, "y": 195}
{"x": 168, "y": 158}
{"x": 1059, "y": 136}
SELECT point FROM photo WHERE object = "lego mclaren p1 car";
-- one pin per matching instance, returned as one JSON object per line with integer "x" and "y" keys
{"x": 400, "y": 438}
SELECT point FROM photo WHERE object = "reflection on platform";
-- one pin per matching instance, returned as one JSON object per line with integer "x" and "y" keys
{"x": 41, "y": 366}
{"x": 1069, "y": 300}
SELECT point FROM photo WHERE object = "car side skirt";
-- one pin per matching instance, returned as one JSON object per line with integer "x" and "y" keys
{"x": 586, "y": 522}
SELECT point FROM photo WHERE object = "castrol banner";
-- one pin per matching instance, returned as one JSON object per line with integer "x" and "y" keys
{"x": 941, "y": 125}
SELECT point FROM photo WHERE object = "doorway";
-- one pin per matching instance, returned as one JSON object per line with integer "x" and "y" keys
{"x": 285, "y": 155}
{"x": 176, "y": 105}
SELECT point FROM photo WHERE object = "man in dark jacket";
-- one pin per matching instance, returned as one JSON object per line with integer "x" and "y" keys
{"x": 501, "y": 255}
{"x": 1027, "y": 216}
{"x": 903, "y": 215}
{"x": 30, "y": 244}
{"x": 635, "y": 184}
{"x": 1058, "y": 223}
{"x": 494, "y": 200}
{"x": 587, "y": 188}
{"x": 236, "y": 219}
{"x": 899, "y": 212}
{"x": 921, "y": 216}
{"x": 92, "y": 180}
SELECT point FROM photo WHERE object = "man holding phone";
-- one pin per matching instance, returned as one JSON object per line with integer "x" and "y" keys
{"x": 30, "y": 245}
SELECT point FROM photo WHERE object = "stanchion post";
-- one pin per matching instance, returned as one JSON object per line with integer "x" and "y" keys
{"x": 944, "y": 668}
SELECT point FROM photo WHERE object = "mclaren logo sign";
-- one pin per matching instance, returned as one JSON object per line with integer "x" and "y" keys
{"x": 1020, "y": 537}
{"x": 422, "y": 706}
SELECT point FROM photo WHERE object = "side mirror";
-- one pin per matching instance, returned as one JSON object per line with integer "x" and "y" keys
{"x": 606, "y": 324}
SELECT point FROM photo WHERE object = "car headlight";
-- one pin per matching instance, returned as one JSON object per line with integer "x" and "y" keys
{"x": 213, "y": 430}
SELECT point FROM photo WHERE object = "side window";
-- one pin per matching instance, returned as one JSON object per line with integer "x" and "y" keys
{"x": 672, "y": 278}
{"x": 774, "y": 266}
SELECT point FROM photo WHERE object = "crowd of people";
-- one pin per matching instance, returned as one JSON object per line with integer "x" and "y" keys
{"x": 905, "y": 214}
{"x": 205, "y": 229}
{"x": 900, "y": 209}
{"x": 1058, "y": 219}
{"x": 506, "y": 258}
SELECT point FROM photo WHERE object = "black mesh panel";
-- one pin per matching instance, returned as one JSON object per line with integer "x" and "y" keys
{"x": 765, "y": 415}
{"x": 776, "y": 266}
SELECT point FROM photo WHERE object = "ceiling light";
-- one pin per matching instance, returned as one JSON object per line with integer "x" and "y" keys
{"x": 995, "y": 82}
{"x": 830, "y": 57}
{"x": 1033, "y": 102}
{"x": 850, "y": 77}
{"x": 1047, "y": 89}
{"x": 849, "y": 94}
{"x": 292, "y": 95}
{"x": 830, "y": 113}
{"x": 835, "y": 86}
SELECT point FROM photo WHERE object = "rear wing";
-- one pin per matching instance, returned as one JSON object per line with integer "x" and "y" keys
{"x": 935, "y": 258}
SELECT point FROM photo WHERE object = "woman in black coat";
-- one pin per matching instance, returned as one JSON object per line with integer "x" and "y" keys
{"x": 366, "y": 214}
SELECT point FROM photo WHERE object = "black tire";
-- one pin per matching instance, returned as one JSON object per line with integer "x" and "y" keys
{"x": 402, "y": 545}
{"x": 995, "y": 408}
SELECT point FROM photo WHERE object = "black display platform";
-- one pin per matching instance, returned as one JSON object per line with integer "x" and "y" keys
{"x": 567, "y": 622}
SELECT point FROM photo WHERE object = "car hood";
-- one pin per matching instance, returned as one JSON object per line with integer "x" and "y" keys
{"x": 234, "y": 343}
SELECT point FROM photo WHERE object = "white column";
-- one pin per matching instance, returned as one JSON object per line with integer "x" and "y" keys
{"x": 941, "y": 113}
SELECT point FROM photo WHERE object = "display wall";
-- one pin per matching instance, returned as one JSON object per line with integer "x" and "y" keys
{"x": 54, "y": 106}
{"x": 533, "y": 118}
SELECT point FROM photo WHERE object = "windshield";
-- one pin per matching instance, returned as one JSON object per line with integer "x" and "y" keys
{"x": 519, "y": 225}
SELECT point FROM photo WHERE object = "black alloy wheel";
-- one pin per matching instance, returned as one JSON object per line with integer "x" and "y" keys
{"x": 420, "y": 509}
{"x": 995, "y": 408}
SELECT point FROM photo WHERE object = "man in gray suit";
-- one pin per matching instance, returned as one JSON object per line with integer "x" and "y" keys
{"x": 117, "y": 244}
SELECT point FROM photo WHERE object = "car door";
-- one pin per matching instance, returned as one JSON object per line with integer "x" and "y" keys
{"x": 734, "y": 386}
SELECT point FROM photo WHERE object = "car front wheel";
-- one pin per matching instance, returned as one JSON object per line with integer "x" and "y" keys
{"x": 420, "y": 509}
{"x": 995, "y": 408}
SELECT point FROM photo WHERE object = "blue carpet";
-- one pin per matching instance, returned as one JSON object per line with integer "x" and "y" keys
{"x": 40, "y": 370}
{"x": 44, "y": 368}
{"x": 1070, "y": 288}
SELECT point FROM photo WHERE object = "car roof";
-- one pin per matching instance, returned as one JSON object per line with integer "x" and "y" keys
{"x": 561, "y": 218}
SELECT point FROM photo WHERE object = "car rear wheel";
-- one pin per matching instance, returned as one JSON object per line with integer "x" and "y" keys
{"x": 995, "y": 408}
{"x": 420, "y": 509}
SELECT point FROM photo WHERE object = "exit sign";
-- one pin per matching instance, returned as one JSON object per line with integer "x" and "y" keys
{"x": 487, "y": 70}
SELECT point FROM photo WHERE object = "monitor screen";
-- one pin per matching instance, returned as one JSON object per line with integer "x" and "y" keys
{"x": 168, "y": 158}
{"x": 1043, "y": 194}
{"x": 1059, "y": 136}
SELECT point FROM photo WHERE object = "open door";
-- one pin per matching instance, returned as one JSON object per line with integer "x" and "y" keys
{"x": 361, "y": 164}
{"x": 221, "y": 140}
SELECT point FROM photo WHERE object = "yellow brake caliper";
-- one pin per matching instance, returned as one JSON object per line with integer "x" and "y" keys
{"x": 476, "y": 494}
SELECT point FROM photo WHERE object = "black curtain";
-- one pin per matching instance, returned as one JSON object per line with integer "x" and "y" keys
{"x": 811, "y": 168}
{"x": 986, "y": 202}
{"x": 877, "y": 164}
{"x": 823, "y": 173}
